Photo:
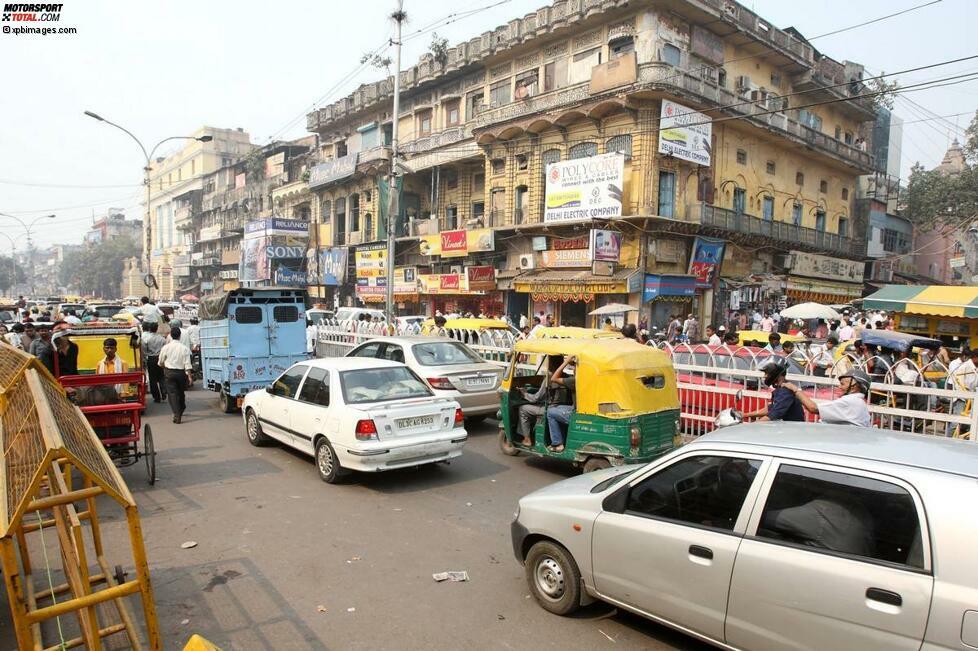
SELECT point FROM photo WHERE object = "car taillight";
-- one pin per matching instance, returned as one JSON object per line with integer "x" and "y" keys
{"x": 459, "y": 418}
{"x": 441, "y": 383}
{"x": 636, "y": 437}
{"x": 366, "y": 430}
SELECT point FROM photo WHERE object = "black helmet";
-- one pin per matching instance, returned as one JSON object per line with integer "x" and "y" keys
{"x": 860, "y": 377}
{"x": 773, "y": 369}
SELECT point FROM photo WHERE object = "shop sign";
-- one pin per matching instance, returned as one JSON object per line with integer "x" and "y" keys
{"x": 210, "y": 233}
{"x": 229, "y": 274}
{"x": 277, "y": 226}
{"x": 458, "y": 244}
{"x": 564, "y": 258}
{"x": 405, "y": 280}
{"x": 291, "y": 277}
{"x": 823, "y": 266}
{"x": 333, "y": 170}
{"x": 440, "y": 283}
{"x": 254, "y": 261}
{"x": 581, "y": 242}
{"x": 660, "y": 285}
{"x": 371, "y": 264}
{"x": 706, "y": 259}
{"x": 331, "y": 265}
{"x": 278, "y": 252}
{"x": 539, "y": 242}
{"x": 957, "y": 263}
{"x": 480, "y": 279}
{"x": 585, "y": 188}
{"x": 685, "y": 133}
{"x": 605, "y": 245}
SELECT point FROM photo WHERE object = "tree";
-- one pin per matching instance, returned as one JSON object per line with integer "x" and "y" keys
{"x": 439, "y": 49}
{"x": 10, "y": 272}
{"x": 886, "y": 92}
{"x": 97, "y": 269}
{"x": 971, "y": 141}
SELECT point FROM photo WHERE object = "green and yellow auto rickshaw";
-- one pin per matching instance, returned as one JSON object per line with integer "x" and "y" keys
{"x": 626, "y": 407}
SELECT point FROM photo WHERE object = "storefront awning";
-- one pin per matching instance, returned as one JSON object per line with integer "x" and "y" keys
{"x": 576, "y": 284}
{"x": 822, "y": 291}
{"x": 932, "y": 300}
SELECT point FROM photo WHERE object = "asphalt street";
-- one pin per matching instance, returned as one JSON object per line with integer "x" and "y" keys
{"x": 285, "y": 561}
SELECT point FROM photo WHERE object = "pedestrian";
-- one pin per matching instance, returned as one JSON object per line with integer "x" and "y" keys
{"x": 607, "y": 325}
{"x": 714, "y": 338}
{"x": 774, "y": 343}
{"x": 849, "y": 409}
{"x": 784, "y": 405}
{"x": 523, "y": 321}
{"x": 67, "y": 351}
{"x": 148, "y": 311}
{"x": 178, "y": 372}
{"x": 691, "y": 328}
{"x": 14, "y": 337}
{"x": 629, "y": 331}
{"x": 42, "y": 349}
{"x": 152, "y": 343}
{"x": 767, "y": 323}
{"x": 536, "y": 326}
{"x": 28, "y": 336}
{"x": 846, "y": 332}
{"x": 823, "y": 362}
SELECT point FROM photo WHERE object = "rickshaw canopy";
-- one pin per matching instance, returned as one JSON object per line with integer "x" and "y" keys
{"x": 900, "y": 341}
{"x": 468, "y": 324}
{"x": 89, "y": 340}
{"x": 616, "y": 378}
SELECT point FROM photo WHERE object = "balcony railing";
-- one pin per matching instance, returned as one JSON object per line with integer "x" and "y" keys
{"x": 730, "y": 220}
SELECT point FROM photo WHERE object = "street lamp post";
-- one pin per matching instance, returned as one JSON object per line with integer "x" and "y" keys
{"x": 148, "y": 243}
{"x": 28, "y": 229}
{"x": 13, "y": 262}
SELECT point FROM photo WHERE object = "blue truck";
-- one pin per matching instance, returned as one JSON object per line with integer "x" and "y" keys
{"x": 248, "y": 337}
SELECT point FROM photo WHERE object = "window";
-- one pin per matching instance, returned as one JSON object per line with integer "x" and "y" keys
{"x": 526, "y": 84}
{"x": 451, "y": 217}
{"x": 452, "y": 113}
{"x": 799, "y": 178}
{"x": 838, "y": 513}
{"x": 474, "y": 103}
{"x": 340, "y": 221}
{"x": 368, "y": 225}
{"x": 581, "y": 64}
{"x": 325, "y": 212}
{"x": 776, "y": 79}
{"x": 341, "y": 149}
{"x": 478, "y": 182}
{"x": 247, "y": 315}
{"x": 823, "y": 186}
{"x": 445, "y": 353}
{"x": 316, "y": 387}
{"x": 890, "y": 240}
{"x": 388, "y": 130}
{"x": 288, "y": 383}
{"x": 522, "y": 161}
{"x": 796, "y": 214}
{"x": 809, "y": 119}
{"x": 770, "y": 167}
{"x": 843, "y": 227}
{"x": 741, "y": 156}
{"x": 521, "y": 203}
{"x": 366, "y": 196}
{"x": 369, "y": 350}
{"x": 621, "y": 144}
{"x": 424, "y": 122}
{"x": 354, "y": 213}
{"x": 820, "y": 220}
{"x": 722, "y": 77}
{"x": 690, "y": 491}
{"x": 393, "y": 353}
{"x": 667, "y": 194}
{"x": 549, "y": 156}
{"x": 285, "y": 314}
{"x": 555, "y": 75}
{"x": 582, "y": 150}
{"x": 498, "y": 165}
{"x": 845, "y": 194}
{"x": 381, "y": 384}
{"x": 847, "y": 138}
{"x": 739, "y": 200}
{"x": 499, "y": 93}
{"x": 838, "y": 132}
{"x": 671, "y": 54}
{"x": 451, "y": 178}
{"x": 767, "y": 208}
{"x": 497, "y": 204}
{"x": 621, "y": 46}
{"x": 478, "y": 211}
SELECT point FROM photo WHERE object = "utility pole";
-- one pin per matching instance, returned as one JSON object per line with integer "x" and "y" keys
{"x": 393, "y": 193}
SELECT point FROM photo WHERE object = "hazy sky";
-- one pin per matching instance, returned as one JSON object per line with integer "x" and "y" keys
{"x": 165, "y": 68}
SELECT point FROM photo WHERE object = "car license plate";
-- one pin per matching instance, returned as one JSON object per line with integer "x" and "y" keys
{"x": 479, "y": 382}
{"x": 417, "y": 421}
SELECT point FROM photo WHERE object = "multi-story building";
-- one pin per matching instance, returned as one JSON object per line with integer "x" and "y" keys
{"x": 947, "y": 254}
{"x": 114, "y": 224}
{"x": 717, "y": 154}
{"x": 173, "y": 181}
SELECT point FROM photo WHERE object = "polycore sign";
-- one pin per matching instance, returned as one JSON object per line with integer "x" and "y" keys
{"x": 585, "y": 188}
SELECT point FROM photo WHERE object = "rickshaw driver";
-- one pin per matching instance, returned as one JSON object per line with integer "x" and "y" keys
{"x": 557, "y": 414}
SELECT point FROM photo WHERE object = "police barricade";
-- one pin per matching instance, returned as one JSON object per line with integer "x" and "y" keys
{"x": 903, "y": 395}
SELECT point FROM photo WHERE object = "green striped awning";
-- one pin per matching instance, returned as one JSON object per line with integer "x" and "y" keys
{"x": 932, "y": 300}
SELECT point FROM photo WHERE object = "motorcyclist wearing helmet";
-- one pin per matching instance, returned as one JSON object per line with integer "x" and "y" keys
{"x": 849, "y": 409}
{"x": 784, "y": 404}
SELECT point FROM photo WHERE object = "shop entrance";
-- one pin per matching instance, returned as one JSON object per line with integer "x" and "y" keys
{"x": 519, "y": 305}
{"x": 574, "y": 313}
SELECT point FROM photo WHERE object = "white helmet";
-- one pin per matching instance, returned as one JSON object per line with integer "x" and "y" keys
{"x": 728, "y": 417}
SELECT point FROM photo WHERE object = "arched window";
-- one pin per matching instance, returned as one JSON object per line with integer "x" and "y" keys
{"x": 583, "y": 150}
{"x": 550, "y": 156}
{"x": 354, "y": 213}
{"x": 621, "y": 144}
{"x": 368, "y": 227}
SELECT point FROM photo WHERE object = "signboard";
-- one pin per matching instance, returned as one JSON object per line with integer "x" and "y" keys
{"x": 405, "y": 280}
{"x": 440, "y": 283}
{"x": 254, "y": 262}
{"x": 229, "y": 274}
{"x": 457, "y": 244}
{"x": 605, "y": 245}
{"x": 277, "y": 252}
{"x": 562, "y": 258}
{"x": 706, "y": 45}
{"x": 210, "y": 233}
{"x": 291, "y": 277}
{"x": 823, "y": 266}
{"x": 331, "y": 266}
{"x": 277, "y": 226}
{"x": 539, "y": 242}
{"x": 957, "y": 263}
{"x": 585, "y": 188}
{"x": 333, "y": 170}
{"x": 705, "y": 261}
{"x": 657, "y": 285}
{"x": 274, "y": 165}
{"x": 685, "y": 133}
{"x": 480, "y": 279}
{"x": 371, "y": 264}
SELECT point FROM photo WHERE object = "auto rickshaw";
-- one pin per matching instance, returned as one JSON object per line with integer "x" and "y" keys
{"x": 573, "y": 332}
{"x": 626, "y": 407}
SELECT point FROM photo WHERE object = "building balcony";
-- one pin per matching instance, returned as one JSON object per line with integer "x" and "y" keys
{"x": 426, "y": 143}
{"x": 789, "y": 234}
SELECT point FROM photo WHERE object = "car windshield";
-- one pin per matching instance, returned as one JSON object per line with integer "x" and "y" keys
{"x": 381, "y": 384}
{"x": 611, "y": 481}
{"x": 445, "y": 353}
{"x": 107, "y": 310}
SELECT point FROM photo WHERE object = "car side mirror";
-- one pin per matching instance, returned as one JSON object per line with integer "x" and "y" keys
{"x": 739, "y": 395}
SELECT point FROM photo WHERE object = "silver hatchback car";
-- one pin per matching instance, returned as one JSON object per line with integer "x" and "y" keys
{"x": 450, "y": 368}
{"x": 772, "y": 536}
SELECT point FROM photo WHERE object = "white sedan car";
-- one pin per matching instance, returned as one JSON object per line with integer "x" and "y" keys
{"x": 356, "y": 414}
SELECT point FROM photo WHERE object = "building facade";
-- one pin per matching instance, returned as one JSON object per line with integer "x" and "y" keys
{"x": 733, "y": 153}
{"x": 114, "y": 224}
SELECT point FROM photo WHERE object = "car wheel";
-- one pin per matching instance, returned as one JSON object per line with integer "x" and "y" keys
{"x": 328, "y": 466}
{"x": 554, "y": 578}
{"x": 506, "y": 445}
{"x": 471, "y": 421}
{"x": 596, "y": 463}
{"x": 255, "y": 435}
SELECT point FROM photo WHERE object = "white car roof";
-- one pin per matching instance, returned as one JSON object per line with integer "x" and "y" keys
{"x": 869, "y": 444}
{"x": 410, "y": 340}
{"x": 350, "y": 363}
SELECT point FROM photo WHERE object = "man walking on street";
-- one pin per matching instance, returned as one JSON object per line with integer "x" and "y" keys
{"x": 178, "y": 371}
{"x": 152, "y": 344}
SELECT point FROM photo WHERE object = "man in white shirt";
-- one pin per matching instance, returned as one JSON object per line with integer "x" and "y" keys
{"x": 523, "y": 321}
{"x": 71, "y": 318}
{"x": 849, "y": 409}
{"x": 846, "y": 332}
{"x": 149, "y": 312}
{"x": 825, "y": 359}
{"x": 178, "y": 372}
{"x": 310, "y": 337}
{"x": 767, "y": 324}
{"x": 714, "y": 337}
{"x": 964, "y": 377}
{"x": 957, "y": 361}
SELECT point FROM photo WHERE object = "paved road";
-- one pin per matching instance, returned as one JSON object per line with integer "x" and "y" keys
{"x": 275, "y": 544}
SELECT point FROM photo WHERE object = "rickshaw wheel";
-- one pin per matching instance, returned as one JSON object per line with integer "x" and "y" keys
{"x": 596, "y": 463}
{"x": 149, "y": 451}
{"x": 506, "y": 445}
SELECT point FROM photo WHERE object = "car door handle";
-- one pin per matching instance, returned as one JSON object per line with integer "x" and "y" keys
{"x": 702, "y": 552}
{"x": 884, "y": 596}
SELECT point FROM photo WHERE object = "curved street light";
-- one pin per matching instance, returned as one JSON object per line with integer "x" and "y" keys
{"x": 148, "y": 243}
{"x": 28, "y": 230}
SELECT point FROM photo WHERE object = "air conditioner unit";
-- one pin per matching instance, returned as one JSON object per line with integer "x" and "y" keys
{"x": 886, "y": 275}
{"x": 475, "y": 222}
{"x": 527, "y": 261}
{"x": 743, "y": 82}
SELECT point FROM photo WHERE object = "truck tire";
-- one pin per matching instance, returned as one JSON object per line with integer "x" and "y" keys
{"x": 229, "y": 405}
